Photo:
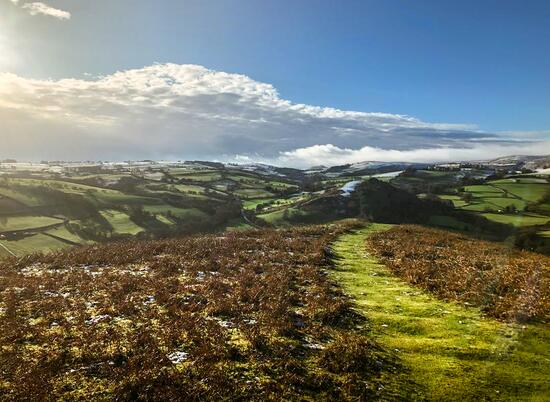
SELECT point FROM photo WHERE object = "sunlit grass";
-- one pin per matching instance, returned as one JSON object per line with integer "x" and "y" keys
{"x": 449, "y": 351}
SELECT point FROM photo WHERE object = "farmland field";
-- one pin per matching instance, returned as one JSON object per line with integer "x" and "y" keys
{"x": 121, "y": 222}
{"x": 20, "y": 197}
{"x": 184, "y": 213}
{"x": 518, "y": 220}
{"x": 32, "y": 244}
{"x": 63, "y": 233}
{"x": 24, "y": 222}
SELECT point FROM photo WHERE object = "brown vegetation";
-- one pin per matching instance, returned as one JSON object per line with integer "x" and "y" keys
{"x": 241, "y": 316}
{"x": 504, "y": 282}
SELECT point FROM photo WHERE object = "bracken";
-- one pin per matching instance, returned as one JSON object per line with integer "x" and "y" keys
{"x": 240, "y": 316}
{"x": 506, "y": 283}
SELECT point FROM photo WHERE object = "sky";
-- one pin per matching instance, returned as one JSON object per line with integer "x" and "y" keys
{"x": 298, "y": 83}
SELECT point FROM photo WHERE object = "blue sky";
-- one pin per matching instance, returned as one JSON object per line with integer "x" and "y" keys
{"x": 481, "y": 63}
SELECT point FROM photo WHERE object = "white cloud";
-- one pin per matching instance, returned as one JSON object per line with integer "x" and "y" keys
{"x": 41, "y": 8}
{"x": 189, "y": 111}
{"x": 331, "y": 155}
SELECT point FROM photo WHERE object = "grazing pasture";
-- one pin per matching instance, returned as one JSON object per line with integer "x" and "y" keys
{"x": 26, "y": 222}
{"x": 37, "y": 243}
{"x": 121, "y": 222}
{"x": 518, "y": 220}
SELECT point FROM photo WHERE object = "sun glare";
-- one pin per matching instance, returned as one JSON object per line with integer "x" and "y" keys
{"x": 7, "y": 55}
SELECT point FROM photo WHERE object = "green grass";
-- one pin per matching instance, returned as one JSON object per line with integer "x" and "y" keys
{"x": 521, "y": 180}
{"x": 482, "y": 190}
{"x": 254, "y": 202}
{"x": 13, "y": 223}
{"x": 448, "y": 222}
{"x": 64, "y": 233}
{"x": 528, "y": 192}
{"x": 10, "y": 206}
{"x": 449, "y": 352}
{"x": 18, "y": 196}
{"x": 493, "y": 204}
{"x": 184, "y": 213}
{"x": 164, "y": 219}
{"x": 503, "y": 202}
{"x": 238, "y": 225}
{"x": 274, "y": 202}
{"x": 200, "y": 176}
{"x": 35, "y": 243}
{"x": 278, "y": 218}
{"x": 184, "y": 188}
{"x": 98, "y": 195}
{"x": 3, "y": 252}
{"x": 253, "y": 193}
{"x": 518, "y": 219}
{"x": 455, "y": 199}
{"x": 121, "y": 222}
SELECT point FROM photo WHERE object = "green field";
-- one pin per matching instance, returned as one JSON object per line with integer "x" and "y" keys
{"x": 10, "y": 206}
{"x": 21, "y": 197}
{"x": 121, "y": 222}
{"x": 281, "y": 217}
{"x": 254, "y": 202}
{"x": 448, "y": 222}
{"x": 253, "y": 193}
{"x": 14, "y": 223}
{"x": 455, "y": 199}
{"x": 519, "y": 219}
{"x": 528, "y": 192}
{"x": 63, "y": 233}
{"x": 35, "y": 243}
{"x": 251, "y": 204}
{"x": 98, "y": 195}
{"x": 183, "y": 213}
{"x": 199, "y": 176}
{"x": 494, "y": 197}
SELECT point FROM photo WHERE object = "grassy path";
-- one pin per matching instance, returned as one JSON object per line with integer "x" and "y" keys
{"x": 448, "y": 351}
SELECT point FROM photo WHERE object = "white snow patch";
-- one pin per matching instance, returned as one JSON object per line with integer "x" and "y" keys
{"x": 349, "y": 188}
{"x": 177, "y": 357}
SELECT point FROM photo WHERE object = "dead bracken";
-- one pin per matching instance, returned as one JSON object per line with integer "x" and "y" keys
{"x": 189, "y": 318}
{"x": 504, "y": 282}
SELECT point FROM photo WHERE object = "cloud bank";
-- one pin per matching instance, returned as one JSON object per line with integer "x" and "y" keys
{"x": 37, "y": 8}
{"x": 188, "y": 111}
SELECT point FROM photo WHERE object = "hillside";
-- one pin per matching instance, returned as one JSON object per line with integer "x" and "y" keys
{"x": 241, "y": 316}
{"x": 264, "y": 315}
{"x": 53, "y": 206}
